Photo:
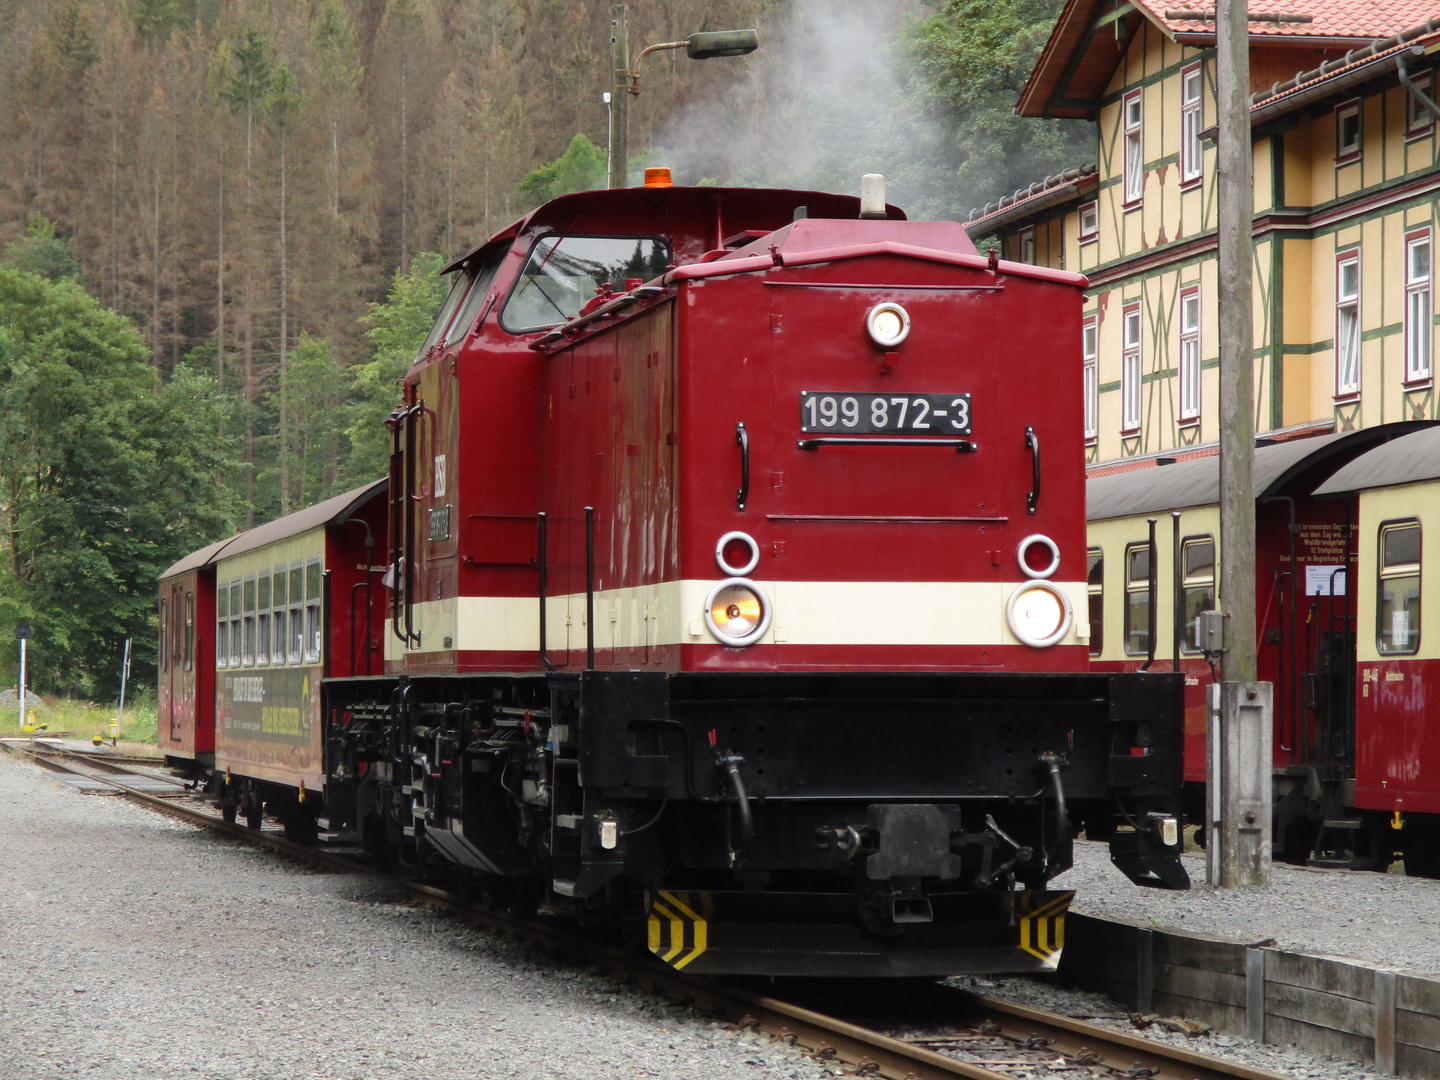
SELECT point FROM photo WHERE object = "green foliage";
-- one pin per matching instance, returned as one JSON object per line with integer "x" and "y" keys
{"x": 254, "y": 69}
{"x": 41, "y": 252}
{"x": 398, "y": 326}
{"x": 581, "y": 168}
{"x": 315, "y": 389}
{"x": 969, "y": 63}
{"x": 106, "y": 477}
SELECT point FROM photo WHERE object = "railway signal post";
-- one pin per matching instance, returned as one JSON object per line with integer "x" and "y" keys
{"x": 1239, "y": 724}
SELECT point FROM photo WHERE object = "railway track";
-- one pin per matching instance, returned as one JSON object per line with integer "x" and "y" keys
{"x": 981, "y": 1038}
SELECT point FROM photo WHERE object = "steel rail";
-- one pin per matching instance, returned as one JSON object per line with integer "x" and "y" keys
{"x": 825, "y": 1037}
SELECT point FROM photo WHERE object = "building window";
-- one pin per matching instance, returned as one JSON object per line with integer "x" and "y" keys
{"x": 1095, "y": 585}
{"x": 1130, "y": 370}
{"x": 1190, "y": 125}
{"x": 1418, "y": 119}
{"x": 1190, "y": 355}
{"x": 1090, "y": 331}
{"x": 1137, "y": 599}
{"x": 1197, "y": 556}
{"x": 312, "y": 612}
{"x": 1419, "y": 314}
{"x": 1134, "y": 149}
{"x": 1347, "y": 324}
{"x": 1089, "y": 221}
{"x": 1397, "y": 620}
{"x": 1347, "y": 131}
{"x": 164, "y": 633}
{"x": 1027, "y": 246}
{"x": 235, "y": 631}
{"x": 189, "y": 631}
{"x": 277, "y": 598}
{"x": 222, "y": 627}
{"x": 262, "y": 604}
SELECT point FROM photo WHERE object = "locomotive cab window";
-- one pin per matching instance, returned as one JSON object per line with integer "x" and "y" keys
{"x": 447, "y": 312}
{"x": 481, "y": 277}
{"x": 1397, "y": 618}
{"x": 1197, "y": 555}
{"x": 563, "y": 272}
{"x": 1137, "y": 599}
{"x": 1095, "y": 585}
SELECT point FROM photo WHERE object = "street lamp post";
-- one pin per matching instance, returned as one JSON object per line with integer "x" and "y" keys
{"x": 702, "y": 46}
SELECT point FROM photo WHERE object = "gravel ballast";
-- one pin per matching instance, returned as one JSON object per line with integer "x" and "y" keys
{"x": 1378, "y": 920}
{"x": 132, "y": 945}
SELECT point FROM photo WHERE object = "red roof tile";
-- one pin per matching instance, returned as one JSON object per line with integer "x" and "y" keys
{"x": 1331, "y": 19}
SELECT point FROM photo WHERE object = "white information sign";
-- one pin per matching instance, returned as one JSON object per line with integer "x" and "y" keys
{"x": 1317, "y": 580}
{"x": 1400, "y": 629}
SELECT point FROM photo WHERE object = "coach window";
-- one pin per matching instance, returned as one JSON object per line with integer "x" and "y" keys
{"x": 277, "y": 598}
{"x": 1095, "y": 584}
{"x": 1197, "y": 555}
{"x": 249, "y": 623}
{"x": 1137, "y": 599}
{"x": 235, "y": 624}
{"x": 189, "y": 631}
{"x": 297, "y": 613}
{"x": 1397, "y": 620}
{"x": 262, "y": 605}
{"x": 563, "y": 272}
{"x": 312, "y": 611}
{"x": 164, "y": 633}
{"x": 222, "y": 626}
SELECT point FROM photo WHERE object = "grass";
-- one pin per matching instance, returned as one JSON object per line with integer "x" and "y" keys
{"x": 84, "y": 718}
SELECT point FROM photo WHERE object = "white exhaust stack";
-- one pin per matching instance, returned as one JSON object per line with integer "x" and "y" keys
{"x": 872, "y": 196}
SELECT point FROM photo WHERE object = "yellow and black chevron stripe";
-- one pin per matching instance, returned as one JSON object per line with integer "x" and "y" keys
{"x": 1042, "y": 931}
{"x": 678, "y": 933}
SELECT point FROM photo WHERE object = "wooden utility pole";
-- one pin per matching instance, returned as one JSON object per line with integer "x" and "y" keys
{"x": 1239, "y": 771}
{"x": 620, "y": 94}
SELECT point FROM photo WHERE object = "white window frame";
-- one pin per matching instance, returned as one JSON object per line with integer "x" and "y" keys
{"x": 1419, "y": 309}
{"x": 1090, "y": 353}
{"x": 1344, "y": 153}
{"x": 1347, "y": 325}
{"x": 1027, "y": 245}
{"x": 1131, "y": 372}
{"x": 1090, "y": 231}
{"x": 1133, "y": 140}
{"x": 1190, "y": 354}
{"x": 1192, "y": 82}
{"x": 1418, "y": 121}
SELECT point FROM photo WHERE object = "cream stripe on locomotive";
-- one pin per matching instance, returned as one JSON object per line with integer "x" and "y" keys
{"x": 672, "y": 613}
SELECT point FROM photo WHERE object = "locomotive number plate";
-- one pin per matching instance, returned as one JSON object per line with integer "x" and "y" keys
{"x": 873, "y": 414}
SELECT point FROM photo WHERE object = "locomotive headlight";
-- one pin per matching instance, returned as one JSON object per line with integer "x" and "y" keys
{"x": 737, "y": 611}
{"x": 888, "y": 324}
{"x": 1039, "y": 614}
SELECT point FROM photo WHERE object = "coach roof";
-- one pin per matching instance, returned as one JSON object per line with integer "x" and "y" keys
{"x": 1406, "y": 460}
{"x": 335, "y": 510}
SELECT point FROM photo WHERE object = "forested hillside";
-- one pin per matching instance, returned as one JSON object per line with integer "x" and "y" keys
{"x": 253, "y": 199}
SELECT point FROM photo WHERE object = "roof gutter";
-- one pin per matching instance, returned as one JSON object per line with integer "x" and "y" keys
{"x": 1043, "y": 201}
{"x": 1409, "y": 84}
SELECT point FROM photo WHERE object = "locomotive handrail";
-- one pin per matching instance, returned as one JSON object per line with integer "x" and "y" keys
{"x": 962, "y": 446}
{"x": 1032, "y": 443}
{"x": 742, "y": 495}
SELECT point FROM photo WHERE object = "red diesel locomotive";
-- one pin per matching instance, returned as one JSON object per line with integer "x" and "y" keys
{"x": 733, "y": 540}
